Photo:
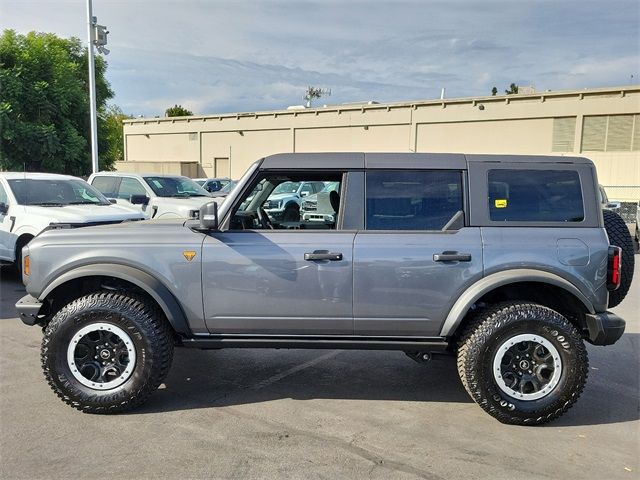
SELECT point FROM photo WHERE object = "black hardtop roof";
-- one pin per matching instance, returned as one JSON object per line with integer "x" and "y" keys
{"x": 362, "y": 160}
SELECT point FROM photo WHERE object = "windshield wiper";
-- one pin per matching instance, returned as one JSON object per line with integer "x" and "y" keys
{"x": 47, "y": 204}
{"x": 86, "y": 203}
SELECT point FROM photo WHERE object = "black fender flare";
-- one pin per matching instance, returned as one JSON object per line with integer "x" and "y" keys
{"x": 151, "y": 285}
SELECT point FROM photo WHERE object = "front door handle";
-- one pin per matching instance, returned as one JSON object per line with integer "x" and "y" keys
{"x": 323, "y": 255}
{"x": 451, "y": 257}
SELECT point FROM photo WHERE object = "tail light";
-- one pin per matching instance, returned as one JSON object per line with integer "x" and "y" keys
{"x": 614, "y": 268}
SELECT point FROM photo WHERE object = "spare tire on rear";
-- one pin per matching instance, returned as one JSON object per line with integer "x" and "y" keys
{"x": 620, "y": 237}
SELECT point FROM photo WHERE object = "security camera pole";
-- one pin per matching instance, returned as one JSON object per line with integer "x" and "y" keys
{"x": 96, "y": 35}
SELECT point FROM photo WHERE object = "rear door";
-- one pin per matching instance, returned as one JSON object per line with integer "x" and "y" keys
{"x": 416, "y": 254}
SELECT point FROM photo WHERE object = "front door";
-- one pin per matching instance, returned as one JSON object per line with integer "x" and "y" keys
{"x": 415, "y": 256}
{"x": 266, "y": 274}
{"x": 259, "y": 282}
{"x": 7, "y": 239}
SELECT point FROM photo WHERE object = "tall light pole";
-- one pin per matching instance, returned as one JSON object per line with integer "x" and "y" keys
{"x": 92, "y": 89}
{"x": 96, "y": 35}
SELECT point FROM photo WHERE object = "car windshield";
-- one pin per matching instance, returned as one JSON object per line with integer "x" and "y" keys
{"x": 175, "y": 187}
{"x": 286, "y": 187}
{"x": 55, "y": 192}
{"x": 331, "y": 186}
{"x": 228, "y": 187}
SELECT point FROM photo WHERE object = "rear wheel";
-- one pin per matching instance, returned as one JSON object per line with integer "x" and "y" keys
{"x": 523, "y": 363}
{"x": 619, "y": 236}
{"x": 106, "y": 352}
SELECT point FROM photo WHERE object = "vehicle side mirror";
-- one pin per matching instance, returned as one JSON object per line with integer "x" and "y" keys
{"x": 4, "y": 208}
{"x": 209, "y": 216}
{"x": 612, "y": 205}
{"x": 304, "y": 194}
{"x": 112, "y": 200}
{"x": 139, "y": 199}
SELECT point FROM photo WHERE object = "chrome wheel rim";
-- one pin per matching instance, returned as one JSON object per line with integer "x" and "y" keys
{"x": 527, "y": 367}
{"x": 101, "y": 356}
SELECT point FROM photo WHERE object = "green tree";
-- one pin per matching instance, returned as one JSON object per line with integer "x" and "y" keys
{"x": 494, "y": 91}
{"x": 513, "y": 89}
{"x": 44, "y": 103}
{"x": 177, "y": 111}
{"x": 111, "y": 143}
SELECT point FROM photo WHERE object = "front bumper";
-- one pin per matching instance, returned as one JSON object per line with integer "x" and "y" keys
{"x": 28, "y": 308}
{"x": 604, "y": 328}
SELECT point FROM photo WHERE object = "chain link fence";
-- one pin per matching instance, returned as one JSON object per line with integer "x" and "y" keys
{"x": 628, "y": 196}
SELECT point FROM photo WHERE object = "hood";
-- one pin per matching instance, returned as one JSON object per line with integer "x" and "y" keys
{"x": 84, "y": 213}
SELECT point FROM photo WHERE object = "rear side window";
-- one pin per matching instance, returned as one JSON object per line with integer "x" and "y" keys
{"x": 412, "y": 200}
{"x": 535, "y": 196}
{"x": 107, "y": 185}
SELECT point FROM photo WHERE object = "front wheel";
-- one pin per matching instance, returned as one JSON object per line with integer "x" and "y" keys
{"x": 106, "y": 352}
{"x": 523, "y": 363}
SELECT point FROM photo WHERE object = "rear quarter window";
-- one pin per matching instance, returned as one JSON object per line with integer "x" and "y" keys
{"x": 535, "y": 196}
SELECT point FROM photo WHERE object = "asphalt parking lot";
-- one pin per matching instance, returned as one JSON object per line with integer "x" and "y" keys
{"x": 313, "y": 414}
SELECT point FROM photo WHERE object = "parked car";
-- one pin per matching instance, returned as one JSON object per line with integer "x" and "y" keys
{"x": 32, "y": 202}
{"x": 212, "y": 185}
{"x": 284, "y": 201}
{"x": 636, "y": 238}
{"x": 506, "y": 262}
{"x": 604, "y": 201}
{"x": 158, "y": 196}
{"x": 226, "y": 190}
{"x": 322, "y": 206}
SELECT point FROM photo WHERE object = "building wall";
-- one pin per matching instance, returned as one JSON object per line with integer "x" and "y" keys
{"x": 602, "y": 124}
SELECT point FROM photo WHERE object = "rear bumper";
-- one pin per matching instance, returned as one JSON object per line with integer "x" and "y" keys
{"x": 604, "y": 328}
{"x": 28, "y": 308}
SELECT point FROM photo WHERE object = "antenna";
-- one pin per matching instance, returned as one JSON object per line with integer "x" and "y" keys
{"x": 314, "y": 92}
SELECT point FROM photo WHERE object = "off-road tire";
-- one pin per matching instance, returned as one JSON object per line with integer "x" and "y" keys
{"x": 491, "y": 328}
{"x": 141, "y": 320}
{"x": 620, "y": 237}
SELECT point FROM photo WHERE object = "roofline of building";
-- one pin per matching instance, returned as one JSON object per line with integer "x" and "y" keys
{"x": 350, "y": 107}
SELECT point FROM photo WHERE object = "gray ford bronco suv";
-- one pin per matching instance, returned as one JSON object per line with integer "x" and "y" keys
{"x": 505, "y": 261}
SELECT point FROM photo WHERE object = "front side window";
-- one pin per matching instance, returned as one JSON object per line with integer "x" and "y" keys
{"x": 535, "y": 196}
{"x": 56, "y": 192}
{"x": 175, "y": 187}
{"x": 129, "y": 187}
{"x": 285, "y": 203}
{"x": 412, "y": 200}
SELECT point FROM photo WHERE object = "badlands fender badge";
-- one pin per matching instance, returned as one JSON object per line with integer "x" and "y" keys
{"x": 189, "y": 255}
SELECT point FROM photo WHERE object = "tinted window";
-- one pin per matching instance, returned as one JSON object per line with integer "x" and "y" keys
{"x": 130, "y": 186}
{"x": 412, "y": 200}
{"x": 55, "y": 192}
{"x": 175, "y": 187}
{"x": 3, "y": 195}
{"x": 535, "y": 196}
{"x": 107, "y": 185}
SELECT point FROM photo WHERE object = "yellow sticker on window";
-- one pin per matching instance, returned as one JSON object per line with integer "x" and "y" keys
{"x": 501, "y": 203}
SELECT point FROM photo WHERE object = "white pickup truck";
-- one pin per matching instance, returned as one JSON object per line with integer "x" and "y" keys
{"x": 31, "y": 202}
{"x": 156, "y": 195}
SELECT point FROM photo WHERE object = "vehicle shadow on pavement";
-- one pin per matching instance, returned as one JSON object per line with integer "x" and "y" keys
{"x": 236, "y": 377}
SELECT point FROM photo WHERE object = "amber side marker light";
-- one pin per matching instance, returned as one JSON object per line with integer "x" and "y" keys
{"x": 25, "y": 268}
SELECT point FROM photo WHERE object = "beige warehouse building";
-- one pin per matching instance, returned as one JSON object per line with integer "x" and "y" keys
{"x": 601, "y": 124}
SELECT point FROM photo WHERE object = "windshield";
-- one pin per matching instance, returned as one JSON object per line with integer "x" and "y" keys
{"x": 175, "y": 187}
{"x": 286, "y": 187}
{"x": 55, "y": 192}
{"x": 228, "y": 187}
{"x": 331, "y": 186}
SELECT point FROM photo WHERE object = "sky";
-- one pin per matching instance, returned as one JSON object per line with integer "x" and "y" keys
{"x": 245, "y": 56}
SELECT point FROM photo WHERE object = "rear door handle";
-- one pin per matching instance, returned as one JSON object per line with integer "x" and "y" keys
{"x": 323, "y": 255}
{"x": 451, "y": 257}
